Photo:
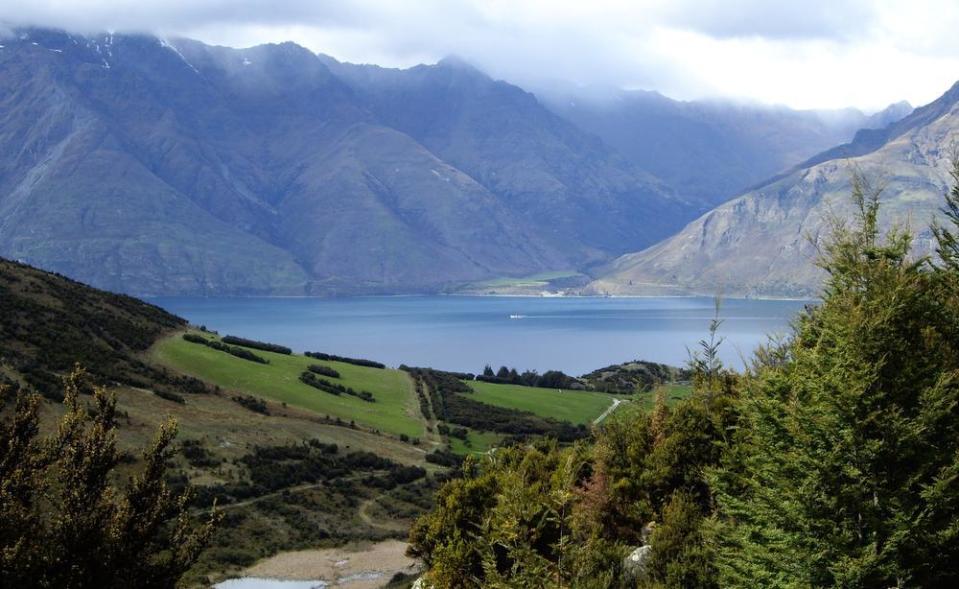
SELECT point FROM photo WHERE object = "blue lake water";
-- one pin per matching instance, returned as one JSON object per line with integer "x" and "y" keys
{"x": 462, "y": 333}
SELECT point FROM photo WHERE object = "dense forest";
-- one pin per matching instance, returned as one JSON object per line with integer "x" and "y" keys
{"x": 833, "y": 461}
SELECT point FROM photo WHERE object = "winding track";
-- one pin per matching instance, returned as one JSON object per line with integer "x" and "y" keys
{"x": 616, "y": 403}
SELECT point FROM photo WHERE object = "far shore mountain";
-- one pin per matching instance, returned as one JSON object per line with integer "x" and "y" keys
{"x": 764, "y": 242}
{"x": 154, "y": 166}
{"x": 711, "y": 150}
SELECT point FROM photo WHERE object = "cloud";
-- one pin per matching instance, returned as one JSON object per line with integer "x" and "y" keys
{"x": 816, "y": 53}
{"x": 809, "y": 19}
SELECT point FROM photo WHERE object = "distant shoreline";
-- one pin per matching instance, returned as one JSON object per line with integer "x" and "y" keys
{"x": 480, "y": 295}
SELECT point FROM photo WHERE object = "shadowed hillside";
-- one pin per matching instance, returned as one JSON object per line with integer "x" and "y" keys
{"x": 48, "y": 323}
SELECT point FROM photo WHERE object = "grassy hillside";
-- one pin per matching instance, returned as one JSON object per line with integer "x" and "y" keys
{"x": 572, "y": 406}
{"x": 284, "y": 476}
{"x": 475, "y": 442}
{"x": 223, "y": 434}
{"x": 394, "y": 411}
{"x": 534, "y": 284}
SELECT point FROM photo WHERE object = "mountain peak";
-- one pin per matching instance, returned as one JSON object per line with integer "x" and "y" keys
{"x": 459, "y": 64}
{"x": 867, "y": 141}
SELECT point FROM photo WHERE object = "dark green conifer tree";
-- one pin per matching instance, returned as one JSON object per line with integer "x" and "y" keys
{"x": 844, "y": 470}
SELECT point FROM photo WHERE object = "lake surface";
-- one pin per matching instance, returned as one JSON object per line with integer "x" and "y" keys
{"x": 572, "y": 334}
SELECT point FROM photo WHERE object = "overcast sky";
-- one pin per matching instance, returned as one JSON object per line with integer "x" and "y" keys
{"x": 801, "y": 53}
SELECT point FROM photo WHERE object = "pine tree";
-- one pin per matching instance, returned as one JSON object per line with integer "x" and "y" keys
{"x": 843, "y": 473}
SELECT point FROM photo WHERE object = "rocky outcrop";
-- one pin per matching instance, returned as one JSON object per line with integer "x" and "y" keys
{"x": 421, "y": 583}
{"x": 636, "y": 563}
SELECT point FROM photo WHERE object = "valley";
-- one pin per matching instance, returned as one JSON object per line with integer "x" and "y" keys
{"x": 290, "y": 466}
{"x": 619, "y": 297}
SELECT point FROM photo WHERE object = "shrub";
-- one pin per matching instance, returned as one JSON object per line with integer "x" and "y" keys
{"x": 197, "y": 455}
{"x": 323, "y": 370}
{"x": 170, "y": 396}
{"x": 252, "y": 403}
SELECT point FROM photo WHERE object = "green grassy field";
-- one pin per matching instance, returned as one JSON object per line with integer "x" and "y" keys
{"x": 674, "y": 392}
{"x": 572, "y": 406}
{"x": 395, "y": 410}
{"x": 535, "y": 280}
{"x": 479, "y": 442}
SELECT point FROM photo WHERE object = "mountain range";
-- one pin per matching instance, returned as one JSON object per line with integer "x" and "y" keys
{"x": 711, "y": 150}
{"x": 153, "y": 166}
{"x": 764, "y": 242}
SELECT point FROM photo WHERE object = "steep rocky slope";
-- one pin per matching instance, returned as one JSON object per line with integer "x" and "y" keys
{"x": 763, "y": 242}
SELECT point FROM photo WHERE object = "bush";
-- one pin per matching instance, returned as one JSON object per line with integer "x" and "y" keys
{"x": 252, "y": 403}
{"x": 64, "y": 522}
{"x": 323, "y": 370}
{"x": 170, "y": 396}
{"x": 445, "y": 458}
{"x": 197, "y": 455}
{"x": 237, "y": 557}
{"x": 195, "y": 339}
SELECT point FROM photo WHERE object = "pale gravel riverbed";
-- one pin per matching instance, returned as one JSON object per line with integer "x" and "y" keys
{"x": 359, "y": 567}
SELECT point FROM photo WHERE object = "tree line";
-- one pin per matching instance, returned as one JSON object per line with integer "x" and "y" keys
{"x": 344, "y": 359}
{"x": 310, "y": 378}
{"x": 551, "y": 379}
{"x": 257, "y": 345}
{"x": 237, "y": 351}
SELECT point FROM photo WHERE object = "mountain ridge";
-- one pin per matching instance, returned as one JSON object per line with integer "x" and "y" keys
{"x": 764, "y": 242}
{"x": 710, "y": 150}
{"x": 223, "y": 167}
